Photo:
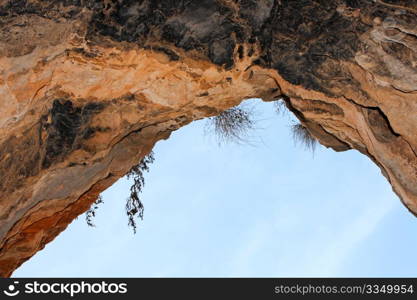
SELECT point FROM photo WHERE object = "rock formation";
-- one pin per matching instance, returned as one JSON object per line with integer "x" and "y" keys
{"x": 87, "y": 87}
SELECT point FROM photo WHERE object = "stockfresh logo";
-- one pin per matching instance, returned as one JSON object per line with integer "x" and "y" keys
{"x": 12, "y": 290}
{"x": 65, "y": 288}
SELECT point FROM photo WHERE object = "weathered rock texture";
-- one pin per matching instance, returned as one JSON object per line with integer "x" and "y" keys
{"x": 87, "y": 87}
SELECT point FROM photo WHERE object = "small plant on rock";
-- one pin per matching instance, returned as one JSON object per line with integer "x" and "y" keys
{"x": 134, "y": 206}
{"x": 232, "y": 124}
{"x": 301, "y": 135}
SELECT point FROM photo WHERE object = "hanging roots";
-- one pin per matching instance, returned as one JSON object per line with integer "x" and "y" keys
{"x": 134, "y": 206}
{"x": 301, "y": 135}
{"x": 232, "y": 124}
{"x": 91, "y": 212}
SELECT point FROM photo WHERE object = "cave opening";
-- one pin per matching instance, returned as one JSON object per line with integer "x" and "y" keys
{"x": 261, "y": 208}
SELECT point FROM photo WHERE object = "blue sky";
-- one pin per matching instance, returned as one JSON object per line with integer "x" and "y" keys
{"x": 264, "y": 209}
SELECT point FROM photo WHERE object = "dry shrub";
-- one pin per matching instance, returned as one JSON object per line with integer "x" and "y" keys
{"x": 232, "y": 125}
{"x": 301, "y": 135}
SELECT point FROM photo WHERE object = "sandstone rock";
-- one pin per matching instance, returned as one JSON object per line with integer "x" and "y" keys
{"x": 89, "y": 86}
